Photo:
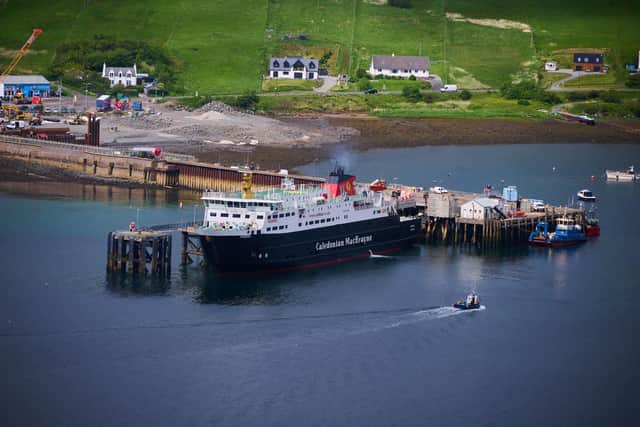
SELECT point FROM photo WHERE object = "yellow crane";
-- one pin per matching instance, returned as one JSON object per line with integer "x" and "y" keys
{"x": 25, "y": 48}
{"x": 22, "y": 52}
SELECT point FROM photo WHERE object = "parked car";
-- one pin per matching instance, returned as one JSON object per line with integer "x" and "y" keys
{"x": 371, "y": 91}
{"x": 537, "y": 206}
{"x": 449, "y": 88}
{"x": 438, "y": 190}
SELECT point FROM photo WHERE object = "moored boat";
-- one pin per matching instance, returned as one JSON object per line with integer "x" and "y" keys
{"x": 586, "y": 195}
{"x": 567, "y": 233}
{"x": 291, "y": 228}
{"x": 592, "y": 224}
{"x": 628, "y": 175}
{"x": 472, "y": 302}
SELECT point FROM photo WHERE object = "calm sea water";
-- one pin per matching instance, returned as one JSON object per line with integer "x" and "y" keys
{"x": 367, "y": 343}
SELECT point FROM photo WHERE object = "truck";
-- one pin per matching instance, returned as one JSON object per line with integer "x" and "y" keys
{"x": 103, "y": 103}
{"x": 449, "y": 88}
{"x": 16, "y": 124}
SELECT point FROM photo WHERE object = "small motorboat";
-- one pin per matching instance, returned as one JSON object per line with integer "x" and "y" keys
{"x": 378, "y": 185}
{"x": 586, "y": 195}
{"x": 628, "y": 175}
{"x": 472, "y": 302}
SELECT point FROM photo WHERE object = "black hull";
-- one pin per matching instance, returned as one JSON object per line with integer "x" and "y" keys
{"x": 310, "y": 248}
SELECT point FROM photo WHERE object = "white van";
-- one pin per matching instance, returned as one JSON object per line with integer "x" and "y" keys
{"x": 449, "y": 88}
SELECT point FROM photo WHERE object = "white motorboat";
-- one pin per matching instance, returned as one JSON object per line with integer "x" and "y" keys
{"x": 586, "y": 195}
{"x": 628, "y": 175}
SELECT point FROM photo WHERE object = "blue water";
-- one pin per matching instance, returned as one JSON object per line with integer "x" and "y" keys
{"x": 365, "y": 343}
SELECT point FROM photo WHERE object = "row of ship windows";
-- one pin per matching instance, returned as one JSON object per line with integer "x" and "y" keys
{"x": 226, "y": 215}
{"x": 238, "y": 204}
{"x": 317, "y": 221}
{"x": 282, "y": 215}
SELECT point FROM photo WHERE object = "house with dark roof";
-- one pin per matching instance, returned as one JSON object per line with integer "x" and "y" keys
{"x": 588, "y": 62}
{"x": 293, "y": 67}
{"x": 400, "y": 66}
{"x": 125, "y": 76}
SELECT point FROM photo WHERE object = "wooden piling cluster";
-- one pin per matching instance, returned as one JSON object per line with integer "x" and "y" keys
{"x": 191, "y": 248}
{"x": 139, "y": 252}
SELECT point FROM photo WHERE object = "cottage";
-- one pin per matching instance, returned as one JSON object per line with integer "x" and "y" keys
{"x": 28, "y": 85}
{"x": 400, "y": 66}
{"x": 125, "y": 76}
{"x": 551, "y": 66}
{"x": 479, "y": 209}
{"x": 293, "y": 67}
{"x": 588, "y": 62}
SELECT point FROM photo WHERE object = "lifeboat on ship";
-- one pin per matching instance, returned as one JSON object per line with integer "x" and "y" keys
{"x": 378, "y": 185}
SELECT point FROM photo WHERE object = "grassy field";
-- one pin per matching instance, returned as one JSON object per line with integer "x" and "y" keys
{"x": 223, "y": 46}
{"x": 288, "y": 85}
{"x": 594, "y": 80}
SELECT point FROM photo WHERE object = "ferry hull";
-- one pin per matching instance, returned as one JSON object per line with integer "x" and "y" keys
{"x": 555, "y": 243}
{"x": 309, "y": 248}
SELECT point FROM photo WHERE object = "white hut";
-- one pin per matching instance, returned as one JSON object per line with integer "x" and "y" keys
{"x": 479, "y": 209}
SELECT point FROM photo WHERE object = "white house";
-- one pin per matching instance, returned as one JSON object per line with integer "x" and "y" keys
{"x": 401, "y": 66}
{"x": 293, "y": 67}
{"x": 551, "y": 66}
{"x": 479, "y": 209}
{"x": 125, "y": 76}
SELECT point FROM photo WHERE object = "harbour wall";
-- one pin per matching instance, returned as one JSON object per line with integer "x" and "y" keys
{"x": 173, "y": 170}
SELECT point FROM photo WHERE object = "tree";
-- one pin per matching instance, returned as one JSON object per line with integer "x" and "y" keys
{"x": 248, "y": 101}
{"x": 465, "y": 95}
{"x": 411, "y": 93}
{"x": 364, "y": 84}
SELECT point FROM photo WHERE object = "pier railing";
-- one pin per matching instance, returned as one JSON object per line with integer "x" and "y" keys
{"x": 106, "y": 151}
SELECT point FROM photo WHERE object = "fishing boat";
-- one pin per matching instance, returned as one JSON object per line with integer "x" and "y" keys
{"x": 586, "y": 195}
{"x": 472, "y": 302}
{"x": 567, "y": 233}
{"x": 592, "y": 225}
{"x": 626, "y": 176}
{"x": 295, "y": 227}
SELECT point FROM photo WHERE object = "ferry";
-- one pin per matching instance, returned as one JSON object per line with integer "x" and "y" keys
{"x": 567, "y": 233}
{"x": 293, "y": 227}
{"x": 586, "y": 195}
{"x": 628, "y": 175}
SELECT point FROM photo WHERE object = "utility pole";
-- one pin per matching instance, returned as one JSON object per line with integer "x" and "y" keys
{"x": 60, "y": 96}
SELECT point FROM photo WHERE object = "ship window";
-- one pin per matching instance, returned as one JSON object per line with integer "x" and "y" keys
{"x": 236, "y": 215}
{"x": 281, "y": 215}
{"x": 246, "y": 216}
{"x": 317, "y": 221}
{"x": 299, "y": 224}
{"x": 346, "y": 216}
{"x": 268, "y": 228}
{"x": 260, "y": 216}
{"x": 243, "y": 204}
{"x": 322, "y": 220}
{"x": 212, "y": 214}
{"x": 224, "y": 215}
{"x": 281, "y": 227}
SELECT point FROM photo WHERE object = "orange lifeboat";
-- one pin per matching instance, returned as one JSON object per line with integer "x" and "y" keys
{"x": 378, "y": 185}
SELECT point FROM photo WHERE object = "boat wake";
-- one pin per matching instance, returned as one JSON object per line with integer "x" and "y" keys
{"x": 377, "y": 256}
{"x": 430, "y": 314}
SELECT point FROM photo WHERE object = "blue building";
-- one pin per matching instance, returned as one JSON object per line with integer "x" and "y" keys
{"x": 29, "y": 85}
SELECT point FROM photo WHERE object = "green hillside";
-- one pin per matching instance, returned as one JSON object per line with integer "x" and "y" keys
{"x": 222, "y": 45}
